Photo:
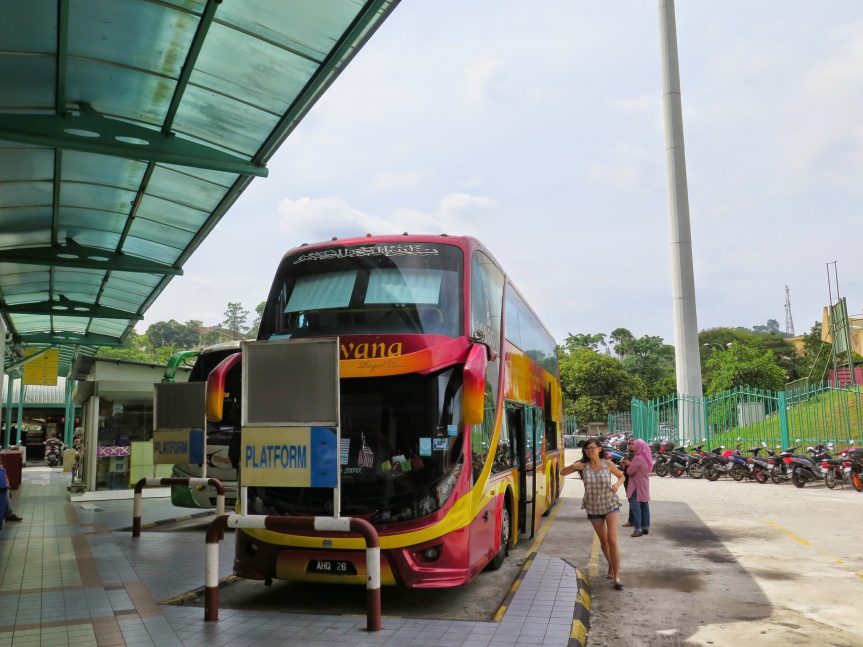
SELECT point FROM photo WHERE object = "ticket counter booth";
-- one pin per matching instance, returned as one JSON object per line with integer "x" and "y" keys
{"x": 117, "y": 414}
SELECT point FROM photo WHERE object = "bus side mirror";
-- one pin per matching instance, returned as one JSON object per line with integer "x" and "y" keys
{"x": 215, "y": 398}
{"x": 473, "y": 391}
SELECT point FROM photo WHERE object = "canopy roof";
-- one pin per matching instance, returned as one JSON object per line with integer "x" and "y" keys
{"x": 127, "y": 130}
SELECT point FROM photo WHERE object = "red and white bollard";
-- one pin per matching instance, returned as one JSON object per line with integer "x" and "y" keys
{"x": 216, "y": 532}
{"x": 137, "y": 505}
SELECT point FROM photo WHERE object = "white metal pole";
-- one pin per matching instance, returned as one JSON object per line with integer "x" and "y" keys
{"x": 91, "y": 442}
{"x": 687, "y": 358}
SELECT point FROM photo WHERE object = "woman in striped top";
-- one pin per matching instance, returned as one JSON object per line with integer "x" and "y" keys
{"x": 600, "y": 501}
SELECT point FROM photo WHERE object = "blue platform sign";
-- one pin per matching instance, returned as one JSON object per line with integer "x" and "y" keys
{"x": 289, "y": 457}
{"x": 178, "y": 447}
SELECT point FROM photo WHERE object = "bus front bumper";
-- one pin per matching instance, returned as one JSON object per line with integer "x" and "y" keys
{"x": 410, "y": 566}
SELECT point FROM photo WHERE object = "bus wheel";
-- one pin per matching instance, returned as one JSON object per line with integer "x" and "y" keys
{"x": 505, "y": 534}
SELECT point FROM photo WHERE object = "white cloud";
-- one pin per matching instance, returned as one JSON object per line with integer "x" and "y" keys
{"x": 454, "y": 205}
{"x": 314, "y": 219}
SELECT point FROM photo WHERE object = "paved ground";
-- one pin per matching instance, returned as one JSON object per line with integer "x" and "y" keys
{"x": 727, "y": 564}
{"x": 724, "y": 564}
{"x": 67, "y": 579}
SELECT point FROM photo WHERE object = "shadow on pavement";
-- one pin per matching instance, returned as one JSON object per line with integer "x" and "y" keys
{"x": 679, "y": 578}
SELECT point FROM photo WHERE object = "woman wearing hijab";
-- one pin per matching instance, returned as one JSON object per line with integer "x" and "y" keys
{"x": 600, "y": 501}
{"x": 638, "y": 490}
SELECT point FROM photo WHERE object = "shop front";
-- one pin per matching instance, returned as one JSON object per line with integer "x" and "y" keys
{"x": 115, "y": 443}
{"x": 40, "y": 416}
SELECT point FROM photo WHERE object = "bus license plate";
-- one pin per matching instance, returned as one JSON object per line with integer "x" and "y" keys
{"x": 331, "y": 567}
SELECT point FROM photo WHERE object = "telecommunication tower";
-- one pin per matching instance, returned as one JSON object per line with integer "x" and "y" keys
{"x": 789, "y": 322}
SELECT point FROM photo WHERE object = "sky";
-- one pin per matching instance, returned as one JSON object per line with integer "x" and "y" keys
{"x": 538, "y": 128}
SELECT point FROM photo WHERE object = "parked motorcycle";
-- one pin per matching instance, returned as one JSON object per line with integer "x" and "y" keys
{"x": 694, "y": 465}
{"x": 718, "y": 462}
{"x": 661, "y": 454}
{"x": 759, "y": 467}
{"x": 740, "y": 467}
{"x": 805, "y": 469}
{"x": 836, "y": 470}
{"x": 856, "y": 457}
{"x": 779, "y": 472}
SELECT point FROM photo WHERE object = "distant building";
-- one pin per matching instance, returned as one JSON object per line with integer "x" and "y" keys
{"x": 797, "y": 343}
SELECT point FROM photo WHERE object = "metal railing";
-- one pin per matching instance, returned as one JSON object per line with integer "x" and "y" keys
{"x": 137, "y": 507}
{"x": 216, "y": 532}
{"x": 806, "y": 415}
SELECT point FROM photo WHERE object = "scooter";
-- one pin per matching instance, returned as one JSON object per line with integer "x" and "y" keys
{"x": 806, "y": 469}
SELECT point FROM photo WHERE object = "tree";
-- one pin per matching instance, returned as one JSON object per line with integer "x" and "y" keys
{"x": 619, "y": 338}
{"x": 772, "y": 326}
{"x": 173, "y": 333}
{"x": 212, "y": 337}
{"x": 744, "y": 365}
{"x": 595, "y": 385}
{"x": 650, "y": 359}
{"x": 235, "y": 319}
{"x": 581, "y": 340}
{"x": 816, "y": 355}
{"x": 135, "y": 348}
{"x": 259, "y": 310}
{"x": 719, "y": 339}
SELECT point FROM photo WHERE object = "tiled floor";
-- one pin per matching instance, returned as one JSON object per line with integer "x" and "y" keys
{"x": 67, "y": 579}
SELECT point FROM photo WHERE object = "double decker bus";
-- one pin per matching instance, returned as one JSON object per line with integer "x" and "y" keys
{"x": 451, "y": 413}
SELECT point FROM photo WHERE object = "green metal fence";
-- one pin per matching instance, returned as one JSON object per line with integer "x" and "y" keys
{"x": 748, "y": 417}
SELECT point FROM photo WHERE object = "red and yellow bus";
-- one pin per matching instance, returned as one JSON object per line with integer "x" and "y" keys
{"x": 451, "y": 413}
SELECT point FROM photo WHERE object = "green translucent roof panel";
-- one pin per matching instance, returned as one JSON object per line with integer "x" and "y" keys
{"x": 126, "y": 132}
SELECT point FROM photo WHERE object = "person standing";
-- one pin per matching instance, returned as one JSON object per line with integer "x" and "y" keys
{"x": 601, "y": 501}
{"x": 8, "y": 515}
{"x": 638, "y": 489}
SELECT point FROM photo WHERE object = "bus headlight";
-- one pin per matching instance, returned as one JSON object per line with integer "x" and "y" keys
{"x": 444, "y": 488}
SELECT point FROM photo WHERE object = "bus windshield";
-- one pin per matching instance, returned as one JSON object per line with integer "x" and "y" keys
{"x": 383, "y": 288}
{"x": 401, "y": 451}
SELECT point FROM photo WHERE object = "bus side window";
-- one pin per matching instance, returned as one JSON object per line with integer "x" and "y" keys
{"x": 481, "y": 435}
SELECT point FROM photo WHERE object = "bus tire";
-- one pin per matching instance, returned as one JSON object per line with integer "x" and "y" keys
{"x": 505, "y": 535}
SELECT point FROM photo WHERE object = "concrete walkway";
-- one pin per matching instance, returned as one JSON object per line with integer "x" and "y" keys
{"x": 68, "y": 578}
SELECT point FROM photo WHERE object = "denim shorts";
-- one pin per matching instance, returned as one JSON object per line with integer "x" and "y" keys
{"x": 600, "y": 517}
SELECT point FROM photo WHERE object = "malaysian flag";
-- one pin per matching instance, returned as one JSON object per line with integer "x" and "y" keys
{"x": 366, "y": 457}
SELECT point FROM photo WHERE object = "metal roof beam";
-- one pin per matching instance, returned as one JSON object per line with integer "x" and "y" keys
{"x": 64, "y": 307}
{"x": 93, "y": 258}
{"x": 191, "y": 59}
{"x": 14, "y": 366}
{"x": 59, "y": 337}
{"x": 92, "y": 132}
{"x": 62, "y": 46}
